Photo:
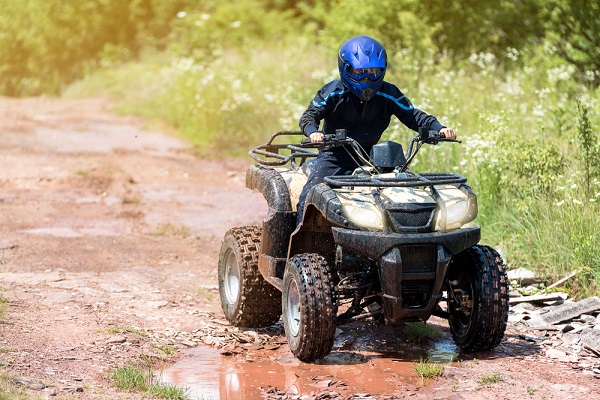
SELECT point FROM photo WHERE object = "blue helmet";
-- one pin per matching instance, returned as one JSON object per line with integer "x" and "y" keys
{"x": 362, "y": 62}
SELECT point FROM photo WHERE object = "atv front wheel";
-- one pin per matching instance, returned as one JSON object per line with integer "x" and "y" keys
{"x": 247, "y": 299}
{"x": 477, "y": 298}
{"x": 308, "y": 307}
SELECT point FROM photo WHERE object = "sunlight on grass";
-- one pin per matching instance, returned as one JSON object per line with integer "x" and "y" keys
{"x": 426, "y": 370}
{"x": 135, "y": 378}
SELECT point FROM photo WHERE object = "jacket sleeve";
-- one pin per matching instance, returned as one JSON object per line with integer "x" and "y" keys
{"x": 316, "y": 111}
{"x": 412, "y": 117}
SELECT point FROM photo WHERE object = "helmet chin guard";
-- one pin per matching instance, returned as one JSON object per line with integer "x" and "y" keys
{"x": 362, "y": 62}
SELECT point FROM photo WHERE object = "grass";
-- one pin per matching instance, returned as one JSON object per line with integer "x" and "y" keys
{"x": 140, "y": 378}
{"x": 121, "y": 329}
{"x": 420, "y": 332}
{"x": 426, "y": 370}
{"x": 167, "y": 228}
{"x": 205, "y": 294}
{"x": 2, "y": 307}
{"x": 168, "y": 350}
{"x": 10, "y": 391}
{"x": 488, "y": 380}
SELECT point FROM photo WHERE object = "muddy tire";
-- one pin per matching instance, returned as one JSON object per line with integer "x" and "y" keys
{"x": 247, "y": 299}
{"x": 309, "y": 308}
{"x": 478, "y": 307}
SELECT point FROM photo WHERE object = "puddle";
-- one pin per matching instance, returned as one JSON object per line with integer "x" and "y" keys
{"x": 209, "y": 375}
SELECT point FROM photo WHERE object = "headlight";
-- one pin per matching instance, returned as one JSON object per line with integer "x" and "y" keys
{"x": 367, "y": 217}
{"x": 457, "y": 209}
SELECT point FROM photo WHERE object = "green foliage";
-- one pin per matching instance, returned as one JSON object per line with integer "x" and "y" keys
{"x": 45, "y": 44}
{"x": 574, "y": 30}
{"x": 427, "y": 370}
{"x": 589, "y": 147}
{"x": 393, "y": 22}
{"x": 489, "y": 379}
{"x": 241, "y": 24}
{"x": 136, "y": 378}
{"x": 420, "y": 332}
{"x": 490, "y": 26}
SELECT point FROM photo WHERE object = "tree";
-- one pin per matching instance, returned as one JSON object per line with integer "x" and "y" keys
{"x": 574, "y": 29}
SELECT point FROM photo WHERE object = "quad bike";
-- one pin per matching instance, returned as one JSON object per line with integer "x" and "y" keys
{"x": 382, "y": 243}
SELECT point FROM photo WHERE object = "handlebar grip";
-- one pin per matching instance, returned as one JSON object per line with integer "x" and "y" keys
{"x": 306, "y": 141}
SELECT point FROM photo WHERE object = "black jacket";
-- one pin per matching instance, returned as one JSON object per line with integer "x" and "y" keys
{"x": 364, "y": 121}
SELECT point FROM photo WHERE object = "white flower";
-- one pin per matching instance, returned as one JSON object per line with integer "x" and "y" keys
{"x": 577, "y": 202}
{"x": 512, "y": 53}
{"x": 236, "y": 24}
{"x": 181, "y": 14}
{"x": 560, "y": 203}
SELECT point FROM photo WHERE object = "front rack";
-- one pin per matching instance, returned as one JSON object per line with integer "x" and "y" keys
{"x": 409, "y": 180}
{"x": 269, "y": 154}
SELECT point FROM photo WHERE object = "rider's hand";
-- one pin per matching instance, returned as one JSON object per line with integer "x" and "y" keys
{"x": 316, "y": 137}
{"x": 447, "y": 132}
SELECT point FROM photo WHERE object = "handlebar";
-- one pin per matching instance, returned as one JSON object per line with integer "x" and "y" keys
{"x": 270, "y": 153}
{"x": 336, "y": 139}
{"x": 433, "y": 137}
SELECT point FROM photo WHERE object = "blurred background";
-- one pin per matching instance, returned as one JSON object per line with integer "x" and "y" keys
{"x": 517, "y": 79}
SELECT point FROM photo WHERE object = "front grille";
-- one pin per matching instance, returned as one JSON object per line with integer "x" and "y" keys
{"x": 418, "y": 258}
{"x": 412, "y": 219}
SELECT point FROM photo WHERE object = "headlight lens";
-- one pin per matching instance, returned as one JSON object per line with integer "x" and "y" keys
{"x": 458, "y": 209}
{"x": 366, "y": 217}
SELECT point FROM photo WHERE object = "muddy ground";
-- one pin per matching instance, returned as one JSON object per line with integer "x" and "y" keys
{"x": 109, "y": 239}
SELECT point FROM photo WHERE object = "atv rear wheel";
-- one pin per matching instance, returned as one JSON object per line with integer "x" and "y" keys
{"x": 247, "y": 299}
{"x": 477, "y": 298}
{"x": 309, "y": 308}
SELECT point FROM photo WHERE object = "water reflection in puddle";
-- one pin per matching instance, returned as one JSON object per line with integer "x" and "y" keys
{"x": 209, "y": 375}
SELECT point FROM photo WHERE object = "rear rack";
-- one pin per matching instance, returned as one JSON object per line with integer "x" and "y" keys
{"x": 410, "y": 180}
{"x": 268, "y": 154}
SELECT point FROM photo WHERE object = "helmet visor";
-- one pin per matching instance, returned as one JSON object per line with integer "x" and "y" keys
{"x": 364, "y": 74}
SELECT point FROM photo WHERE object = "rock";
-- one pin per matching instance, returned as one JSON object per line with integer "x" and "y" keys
{"x": 522, "y": 275}
{"x": 116, "y": 339}
{"x": 590, "y": 339}
{"x": 539, "y": 298}
{"x": 29, "y": 383}
{"x": 566, "y": 311}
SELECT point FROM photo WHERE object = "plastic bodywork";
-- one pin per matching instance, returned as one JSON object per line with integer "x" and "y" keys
{"x": 412, "y": 233}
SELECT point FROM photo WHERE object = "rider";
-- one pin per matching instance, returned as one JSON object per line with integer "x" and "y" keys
{"x": 360, "y": 102}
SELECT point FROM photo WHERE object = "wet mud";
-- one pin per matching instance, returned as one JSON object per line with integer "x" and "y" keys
{"x": 372, "y": 359}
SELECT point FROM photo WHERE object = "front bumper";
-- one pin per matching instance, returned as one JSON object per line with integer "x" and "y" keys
{"x": 412, "y": 267}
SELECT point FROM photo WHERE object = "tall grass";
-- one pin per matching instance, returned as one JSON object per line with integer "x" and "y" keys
{"x": 520, "y": 129}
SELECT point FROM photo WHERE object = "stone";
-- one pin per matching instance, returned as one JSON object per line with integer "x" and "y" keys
{"x": 29, "y": 383}
{"x": 116, "y": 339}
{"x": 522, "y": 275}
{"x": 590, "y": 339}
{"x": 566, "y": 311}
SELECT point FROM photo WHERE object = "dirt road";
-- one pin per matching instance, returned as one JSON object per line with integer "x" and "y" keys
{"x": 109, "y": 242}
